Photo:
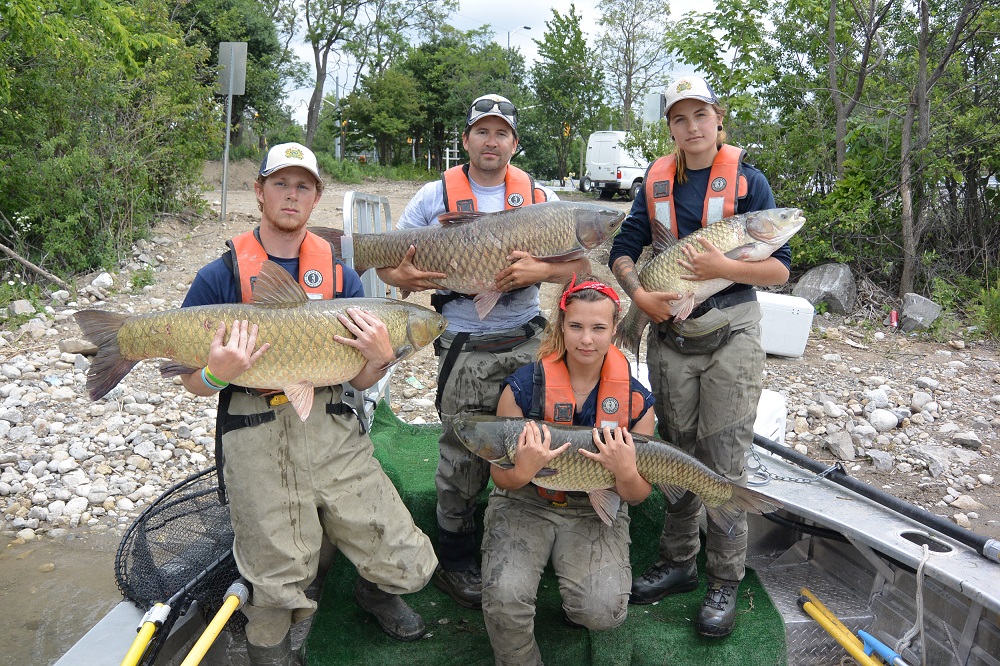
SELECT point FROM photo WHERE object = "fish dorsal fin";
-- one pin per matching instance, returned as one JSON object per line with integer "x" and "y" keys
{"x": 274, "y": 287}
{"x": 663, "y": 239}
{"x": 459, "y": 217}
{"x": 606, "y": 503}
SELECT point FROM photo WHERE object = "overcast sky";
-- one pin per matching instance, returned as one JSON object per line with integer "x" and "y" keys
{"x": 503, "y": 17}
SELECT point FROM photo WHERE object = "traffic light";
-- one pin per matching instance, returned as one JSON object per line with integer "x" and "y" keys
{"x": 566, "y": 129}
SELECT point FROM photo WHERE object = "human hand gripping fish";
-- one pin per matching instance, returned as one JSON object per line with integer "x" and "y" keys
{"x": 371, "y": 338}
{"x": 228, "y": 359}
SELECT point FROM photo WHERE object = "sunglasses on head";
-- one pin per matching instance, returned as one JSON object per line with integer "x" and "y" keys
{"x": 486, "y": 105}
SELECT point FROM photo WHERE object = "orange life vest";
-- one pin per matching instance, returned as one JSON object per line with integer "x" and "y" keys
{"x": 617, "y": 404}
{"x": 458, "y": 196}
{"x": 726, "y": 185}
{"x": 319, "y": 274}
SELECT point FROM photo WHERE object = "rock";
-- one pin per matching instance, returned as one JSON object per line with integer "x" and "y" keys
{"x": 832, "y": 284}
{"x": 985, "y": 479}
{"x": 103, "y": 281}
{"x": 882, "y": 460}
{"x": 77, "y": 346}
{"x": 21, "y": 308}
{"x": 918, "y": 313}
{"x": 966, "y": 504}
{"x": 883, "y": 420}
{"x": 841, "y": 444}
{"x": 962, "y": 520}
{"x": 968, "y": 440}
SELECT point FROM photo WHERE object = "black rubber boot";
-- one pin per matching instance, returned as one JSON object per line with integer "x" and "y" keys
{"x": 661, "y": 579}
{"x": 458, "y": 574}
{"x": 272, "y": 655}
{"x": 465, "y": 587}
{"x": 718, "y": 611}
{"x": 394, "y": 615}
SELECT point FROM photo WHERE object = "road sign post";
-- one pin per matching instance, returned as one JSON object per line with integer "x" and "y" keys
{"x": 232, "y": 81}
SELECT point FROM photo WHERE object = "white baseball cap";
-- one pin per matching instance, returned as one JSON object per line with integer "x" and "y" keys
{"x": 287, "y": 155}
{"x": 689, "y": 87}
{"x": 492, "y": 105}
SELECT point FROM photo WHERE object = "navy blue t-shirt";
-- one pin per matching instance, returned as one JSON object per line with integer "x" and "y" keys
{"x": 522, "y": 385}
{"x": 215, "y": 284}
{"x": 689, "y": 203}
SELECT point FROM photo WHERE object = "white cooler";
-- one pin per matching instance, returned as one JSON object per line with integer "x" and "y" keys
{"x": 785, "y": 324}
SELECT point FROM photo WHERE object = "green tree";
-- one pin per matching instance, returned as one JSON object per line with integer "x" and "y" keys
{"x": 567, "y": 90}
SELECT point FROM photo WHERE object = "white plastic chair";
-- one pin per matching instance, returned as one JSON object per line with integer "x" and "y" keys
{"x": 367, "y": 214}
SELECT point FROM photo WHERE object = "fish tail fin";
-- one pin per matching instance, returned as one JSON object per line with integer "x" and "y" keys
{"x": 342, "y": 244}
{"x": 744, "y": 500}
{"x": 629, "y": 333}
{"x": 109, "y": 366}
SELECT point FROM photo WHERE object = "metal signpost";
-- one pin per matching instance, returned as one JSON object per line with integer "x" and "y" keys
{"x": 232, "y": 81}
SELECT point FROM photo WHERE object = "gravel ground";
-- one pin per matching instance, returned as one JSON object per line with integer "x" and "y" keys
{"x": 916, "y": 418}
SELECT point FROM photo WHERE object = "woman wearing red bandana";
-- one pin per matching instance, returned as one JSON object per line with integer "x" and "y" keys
{"x": 579, "y": 379}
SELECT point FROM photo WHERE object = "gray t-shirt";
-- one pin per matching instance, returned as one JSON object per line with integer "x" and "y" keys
{"x": 514, "y": 308}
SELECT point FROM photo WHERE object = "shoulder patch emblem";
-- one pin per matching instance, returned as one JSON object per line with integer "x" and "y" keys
{"x": 514, "y": 200}
{"x": 661, "y": 189}
{"x": 609, "y": 405}
{"x": 719, "y": 184}
{"x": 312, "y": 278}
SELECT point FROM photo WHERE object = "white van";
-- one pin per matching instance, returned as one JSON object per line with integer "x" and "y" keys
{"x": 610, "y": 167}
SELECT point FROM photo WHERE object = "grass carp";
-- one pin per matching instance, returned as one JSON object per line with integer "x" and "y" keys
{"x": 303, "y": 352}
{"x": 750, "y": 236}
{"x": 663, "y": 465}
{"x": 471, "y": 248}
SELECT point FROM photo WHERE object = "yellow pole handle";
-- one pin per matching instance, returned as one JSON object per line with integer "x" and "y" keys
{"x": 212, "y": 632}
{"x": 842, "y": 637}
{"x": 140, "y": 643}
{"x": 831, "y": 617}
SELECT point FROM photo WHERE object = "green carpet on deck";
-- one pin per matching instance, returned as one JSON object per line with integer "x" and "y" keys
{"x": 658, "y": 634}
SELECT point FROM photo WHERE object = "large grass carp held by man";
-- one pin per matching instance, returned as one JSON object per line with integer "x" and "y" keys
{"x": 471, "y": 248}
{"x": 303, "y": 352}
{"x": 751, "y": 236}
{"x": 674, "y": 472}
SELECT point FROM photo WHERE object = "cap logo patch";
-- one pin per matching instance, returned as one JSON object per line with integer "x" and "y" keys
{"x": 609, "y": 405}
{"x": 719, "y": 184}
{"x": 312, "y": 278}
{"x": 683, "y": 85}
{"x": 294, "y": 153}
{"x": 514, "y": 200}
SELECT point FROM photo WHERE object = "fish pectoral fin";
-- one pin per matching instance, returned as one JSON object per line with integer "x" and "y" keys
{"x": 459, "y": 218}
{"x": 739, "y": 253}
{"x": 274, "y": 287}
{"x": 404, "y": 294}
{"x": 606, "y": 504}
{"x": 671, "y": 492}
{"x": 682, "y": 307}
{"x": 486, "y": 301}
{"x": 503, "y": 465}
{"x": 301, "y": 397}
{"x": 546, "y": 471}
{"x": 402, "y": 352}
{"x": 566, "y": 256}
{"x": 663, "y": 237}
{"x": 174, "y": 369}
{"x": 743, "y": 500}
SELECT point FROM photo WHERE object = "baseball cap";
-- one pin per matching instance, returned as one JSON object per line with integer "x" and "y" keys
{"x": 287, "y": 155}
{"x": 492, "y": 105}
{"x": 689, "y": 87}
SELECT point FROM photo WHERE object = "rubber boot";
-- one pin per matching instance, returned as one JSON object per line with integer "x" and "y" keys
{"x": 394, "y": 615}
{"x": 273, "y": 655}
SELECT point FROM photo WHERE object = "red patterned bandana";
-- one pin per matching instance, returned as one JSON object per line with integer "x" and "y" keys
{"x": 596, "y": 286}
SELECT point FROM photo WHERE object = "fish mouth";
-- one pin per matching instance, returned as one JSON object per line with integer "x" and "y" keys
{"x": 776, "y": 226}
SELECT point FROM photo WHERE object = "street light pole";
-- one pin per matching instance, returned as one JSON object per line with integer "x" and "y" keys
{"x": 511, "y": 32}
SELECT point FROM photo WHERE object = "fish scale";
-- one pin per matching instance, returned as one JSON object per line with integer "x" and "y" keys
{"x": 302, "y": 338}
{"x": 496, "y": 439}
{"x": 472, "y": 253}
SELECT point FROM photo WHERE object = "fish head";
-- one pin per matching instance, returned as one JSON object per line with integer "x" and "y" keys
{"x": 774, "y": 226}
{"x": 489, "y": 437}
{"x": 423, "y": 326}
{"x": 596, "y": 224}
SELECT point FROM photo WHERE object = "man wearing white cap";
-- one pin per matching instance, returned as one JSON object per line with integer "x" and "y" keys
{"x": 705, "y": 371}
{"x": 475, "y": 355}
{"x": 289, "y": 482}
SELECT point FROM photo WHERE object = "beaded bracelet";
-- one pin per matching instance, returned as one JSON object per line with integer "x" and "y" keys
{"x": 205, "y": 374}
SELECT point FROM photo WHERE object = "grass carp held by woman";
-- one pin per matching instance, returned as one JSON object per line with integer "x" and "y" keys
{"x": 471, "y": 248}
{"x": 663, "y": 465}
{"x": 750, "y": 236}
{"x": 303, "y": 352}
